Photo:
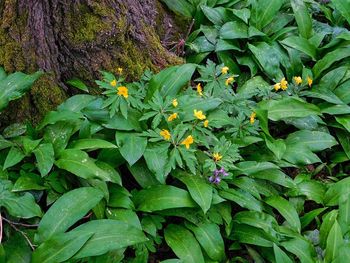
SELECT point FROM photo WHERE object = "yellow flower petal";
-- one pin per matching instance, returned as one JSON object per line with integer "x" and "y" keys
{"x": 284, "y": 84}
{"x": 123, "y": 91}
{"x": 172, "y": 117}
{"x": 277, "y": 86}
{"x": 165, "y": 134}
{"x": 113, "y": 83}
{"x": 199, "y": 89}
{"x": 206, "y": 123}
{"x": 217, "y": 157}
{"x": 199, "y": 115}
{"x": 309, "y": 81}
{"x": 298, "y": 80}
{"x": 175, "y": 103}
{"x": 224, "y": 70}
{"x": 229, "y": 81}
{"x": 188, "y": 141}
{"x": 252, "y": 118}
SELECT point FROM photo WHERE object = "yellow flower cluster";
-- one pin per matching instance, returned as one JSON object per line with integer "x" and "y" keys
{"x": 229, "y": 81}
{"x": 172, "y": 117}
{"x": 283, "y": 84}
{"x": 165, "y": 134}
{"x": 123, "y": 91}
{"x": 252, "y": 118}
{"x": 199, "y": 89}
{"x": 217, "y": 157}
{"x": 224, "y": 70}
{"x": 188, "y": 141}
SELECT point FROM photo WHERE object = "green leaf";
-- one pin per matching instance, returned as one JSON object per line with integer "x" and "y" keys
{"x": 156, "y": 158}
{"x": 242, "y": 198}
{"x": 18, "y": 205}
{"x": 170, "y": 81}
{"x": 200, "y": 190}
{"x": 234, "y": 30}
{"x": 344, "y": 212}
{"x": 216, "y": 15}
{"x": 131, "y": 146}
{"x": 335, "y": 191}
{"x": 28, "y": 181}
{"x": 301, "y": 44}
{"x": 14, "y": 86}
{"x": 334, "y": 242}
{"x": 143, "y": 176}
{"x": 160, "y": 197}
{"x": 14, "y": 156}
{"x": 288, "y": 107}
{"x": 66, "y": 211}
{"x": 79, "y": 163}
{"x": 183, "y": 243}
{"x": 251, "y": 235}
{"x": 263, "y": 12}
{"x": 60, "y": 247}
{"x": 209, "y": 237}
{"x": 301, "y": 248}
{"x": 76, "y": 103}
{"x": 191, "y": 103}
{"x": 29, "y": 145}
{"x": 55, "y": 116}
{"x": 5, "y": 143}
{"x": 308, "y": 217}
{"x": 344, "y": 120}
{"x": 108, "y": 235}
{"x": 17, "y": 250}
{"x": 280, "y": 255}
{"x": 91, "y": 144}
{"x": 77, "y": 83}
{"x": 330, "y": 58}
{"x": 45, "y": 157}
{"x": 286, "y": 210}
{"x": 327, "y": 223}
{"x": 302, "y": 17}
{"x": 343, "y": 6}
{"x": 181, "y": 7}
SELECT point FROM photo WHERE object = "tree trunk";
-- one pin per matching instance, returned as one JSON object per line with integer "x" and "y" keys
{"x": 67, "y": 39}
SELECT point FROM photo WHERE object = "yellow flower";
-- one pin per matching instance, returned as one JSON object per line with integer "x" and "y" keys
{"x": 123, "y": 91}
{"x": 119, "y": 71}
{"x": 217, "y": 157}
{"x": 284, "y": 84}
{"x": 309, "y": 81}
{"x": 165, "y": 134}
{"x": 175, "y": 103}
{"x": 224, "y": 70}
{"x": 199, "y": 115}
{"x": 113, "y": 83}
{"x": 188, "y": 141}
{"x": 172, "y": 117}
{"x": 252, "y": 118}
{"x": 277, "y": 86}
{"x": 206, "y": 123}
{"x": 199, "y": 89}
{"x": 298, "y": 80}
{"x": 229, "y": 81}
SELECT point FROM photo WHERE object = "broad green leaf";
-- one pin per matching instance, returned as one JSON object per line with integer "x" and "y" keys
{"x": 143, "y": 176}
{"x": 251, "y": 235}
{"x": 191, "y": 103}
{"x": 308, "y": 217}
{"x": 302, "y": 17}
{"x": 280, "y": 255}
{"x": 181, "y": 7}
{"x": 76, "y": 103}
{"x": 344, "y": 212}
{"x": 301, "y": 248}
{"x": 28, "y": 181}
{"x": 288, "y": 107}
{"x": 330, "y": 58}
{"x": 90, "y": 144}
{"x": 242, "y": 198}
{"x": 17, "y": 249}
{"x": 108, "y": 235}
{"x": 14, "y": 156}
{"x": 29, "y": 145}
{"x": 125, "y": 215}
{"x": 55, "y": 116}
{"x": 162, "y": 197}
{"x": 334, "y": 242}
{"x": 79, "y": 163}
{"x": 60, "y": 248}
{"x": 77, "y": 83}
{"x": 243, "y": 14}
{"x": 45, "y": 157}
{"x": 314, "y": 140}
{"x": 131, "y": 146}
{"x": 169, "y": 81}
{"x": 276, "y": 176}
{"x": 66, "y": 211}
{"x": 199, "y": 189}
{"x": 301, "y": 44}
{"x": 313, "y": 190}
{"x": 327, "y": 223}
{"x": 268, "y": 58}
{"x": 344, "y": 120}
{"x": 156, "y": 158}
{"x": 209, "y": 237}
{"x": 183, "y": 243}
{"x": 18, "y": 205}
{"x": 286, "y": 210}
{"x": 216, "y": 15}
{"x": 59, "y": 135}
{"x": 5, "y": 143}
{"x": 14, "y": 86}
{"x": 263, "y": 12}
{"x": 234, "y": 30}
{"x": 343, "y": 6}
{"x": 335, "y": 191}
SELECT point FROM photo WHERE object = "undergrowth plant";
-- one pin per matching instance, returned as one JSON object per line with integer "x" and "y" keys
{"x": 200, "y": 162}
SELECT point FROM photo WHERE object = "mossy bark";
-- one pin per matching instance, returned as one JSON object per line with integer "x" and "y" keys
{"x": 78, "y": 38}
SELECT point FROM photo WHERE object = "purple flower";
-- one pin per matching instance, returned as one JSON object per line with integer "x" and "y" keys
{"x": 217, "y": 180}
{"x": 216, "y": 177}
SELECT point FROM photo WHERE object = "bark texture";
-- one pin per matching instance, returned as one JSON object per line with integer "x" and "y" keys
{"x": 77, "y": 38}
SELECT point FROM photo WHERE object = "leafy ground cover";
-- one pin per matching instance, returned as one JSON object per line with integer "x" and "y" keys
{"x": 240, "y": 155}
